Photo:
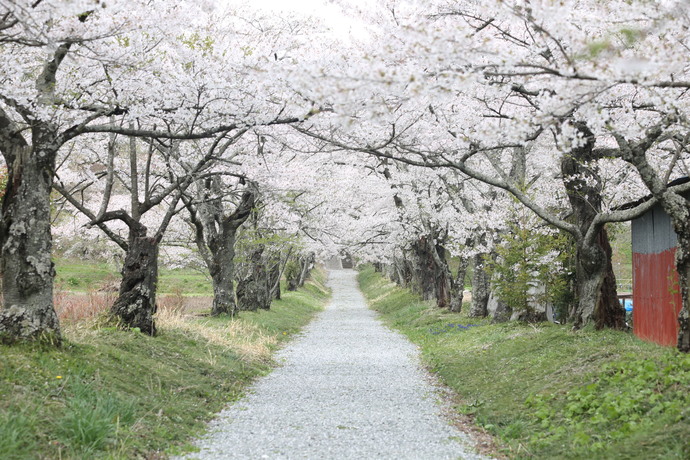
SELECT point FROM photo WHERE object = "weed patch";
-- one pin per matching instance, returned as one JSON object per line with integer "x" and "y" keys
{"x": 627, "y": 398}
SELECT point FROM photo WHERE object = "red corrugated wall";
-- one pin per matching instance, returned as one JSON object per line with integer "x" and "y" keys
{"x": 656, "y": 297}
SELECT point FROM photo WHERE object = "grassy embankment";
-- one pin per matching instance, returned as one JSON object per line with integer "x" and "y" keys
{"x": 546, "y": 391}
{"x": 118, "y": 394}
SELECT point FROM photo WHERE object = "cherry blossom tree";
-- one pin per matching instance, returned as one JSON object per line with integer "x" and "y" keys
{"x": 154, "y": 181}
{"x": 483, "y": 89}
{"x": 217, "y": 216}
{"x": 132, "y": 68}
{"x": 408, "y": 143}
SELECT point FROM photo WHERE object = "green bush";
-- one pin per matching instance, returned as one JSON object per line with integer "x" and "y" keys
{"x": 531, "y": 268}
{"x": 292, "y": 272}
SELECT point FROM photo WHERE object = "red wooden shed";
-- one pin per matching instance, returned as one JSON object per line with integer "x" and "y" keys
{"x": 656, "y": 294}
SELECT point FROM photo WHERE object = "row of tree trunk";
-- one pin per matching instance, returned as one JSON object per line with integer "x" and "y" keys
{"x": 424, "y": 268}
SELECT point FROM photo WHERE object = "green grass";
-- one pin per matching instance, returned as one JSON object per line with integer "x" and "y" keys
{"x": 121, "y": 394}
{"x": 286, "y": 316}
{"x": 80, "y": 276}
{"x": 185, "y": 281}
{"x": 546, "y": 391}
{"x": 75, "y": 275}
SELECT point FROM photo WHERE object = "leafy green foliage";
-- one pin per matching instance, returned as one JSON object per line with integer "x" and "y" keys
{"x": 196, "y": 41}
{"x": 531, "y": 268}
{"x": 292, "y": 272}
{"x": 627, "y": 397}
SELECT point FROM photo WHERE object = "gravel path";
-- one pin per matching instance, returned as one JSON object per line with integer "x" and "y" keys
{"x": 348, "y": 388}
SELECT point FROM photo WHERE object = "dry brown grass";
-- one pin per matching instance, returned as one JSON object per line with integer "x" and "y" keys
{"x": 81, "y": 313}
{"x": 74, "y": 307}
{"x": 185, "y": 304}
{"x": 245, "y": 339}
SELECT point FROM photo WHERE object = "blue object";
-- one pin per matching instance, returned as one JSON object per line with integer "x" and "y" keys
{"x": 627, "y": 304}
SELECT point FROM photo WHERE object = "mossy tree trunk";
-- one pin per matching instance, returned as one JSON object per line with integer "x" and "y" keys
{"x": 683, "y": 268}
{"x": 27, "y": 269}
{"x": 457, "y": 290}
{"x": 480, "y": 287}
{"x": 25, "y": 236}
{"x": 252, "y": 290}
{"x": 215, "y": 237}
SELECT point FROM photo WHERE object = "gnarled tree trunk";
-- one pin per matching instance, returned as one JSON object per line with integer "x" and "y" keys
{"x": 274, "y": 275}
{"x": 443, "y": 278}
{"x": 608, "y": 311}
{"x": 136, "y": 303}
{"x": 252, "y": 290}
{"x": 457, "y": 289}
{"x": 503, "y": 311}
{"x": 402, "y": 270}
{"x": 306, "y": 264}
{"x": 215, "y": 237}
{"x": 683, "y": 268}
{"x": 595, "y": 281}
{"x": 222, "y": 269}
{"x": 25, "y": 237}
{"x": 424, "y": 269}
{"x": 431, "y": 277}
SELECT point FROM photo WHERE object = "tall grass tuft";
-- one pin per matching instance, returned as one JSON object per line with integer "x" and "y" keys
{"x": 92, "y": 418}
{"x": 17, "y": 439}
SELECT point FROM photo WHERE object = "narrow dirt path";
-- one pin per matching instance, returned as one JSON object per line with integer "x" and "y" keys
{"x": 347, "y": 388}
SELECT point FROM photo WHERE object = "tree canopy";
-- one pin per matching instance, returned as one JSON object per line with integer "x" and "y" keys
{"x": 417, "y": 132}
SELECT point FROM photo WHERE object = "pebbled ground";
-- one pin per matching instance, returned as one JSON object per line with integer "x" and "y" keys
{"x": 347, "y": 388}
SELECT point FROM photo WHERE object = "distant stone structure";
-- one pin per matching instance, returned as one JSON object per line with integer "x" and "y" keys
{"x": 334, "y": 263}
{"x": 347, "y": 262}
